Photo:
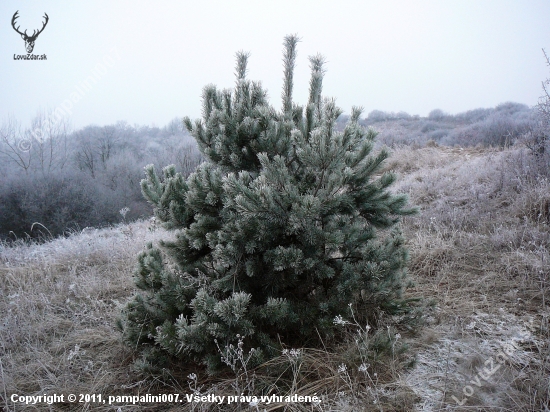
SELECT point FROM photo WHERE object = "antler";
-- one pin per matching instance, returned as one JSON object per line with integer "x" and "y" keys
{"x": 15, "y": 16}
{"x": 42, "y": 29}
{"x": 34, "y": 33}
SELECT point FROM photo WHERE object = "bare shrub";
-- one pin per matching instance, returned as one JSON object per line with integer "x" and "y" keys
{"x": 429, "y": 127}
{"x": 497, "y": 129}
{"x": 438, "y": 135}
{"x": 437, "y": 115}
{"x": 472, "y": 116}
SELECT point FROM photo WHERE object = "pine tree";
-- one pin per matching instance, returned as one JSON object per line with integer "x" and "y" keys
{"x": 286, "y": 223}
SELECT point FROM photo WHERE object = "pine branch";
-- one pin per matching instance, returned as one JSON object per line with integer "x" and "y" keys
{"x": 289, "y": 61}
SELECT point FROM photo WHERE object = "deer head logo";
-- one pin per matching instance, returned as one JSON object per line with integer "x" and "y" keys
{"x": 29, "y": 40}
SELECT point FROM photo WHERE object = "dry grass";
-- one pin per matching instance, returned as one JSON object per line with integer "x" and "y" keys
{"x": 58, "y": 302}
{"x": 480, "y": 249}
{"x": 479, "y": 252}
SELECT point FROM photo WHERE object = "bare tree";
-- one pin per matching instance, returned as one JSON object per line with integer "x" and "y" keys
{"x": 85, "y": 153}
{"x": 107, "y": 143}
{"x": 48, "y": 135}
{"x": 14, "y": 147}
{"x": 539, "y": 133}
{"x": 95, "y": 146}
{"x": 175, "y": 127}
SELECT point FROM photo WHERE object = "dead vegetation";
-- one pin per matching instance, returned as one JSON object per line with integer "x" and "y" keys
{"x": 479, "y": 248}
{"x": 479, "y": 258}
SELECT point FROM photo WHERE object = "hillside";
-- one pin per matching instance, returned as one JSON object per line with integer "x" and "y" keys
{"x": 480, "y": 249}
{"x": 479, "y": 258}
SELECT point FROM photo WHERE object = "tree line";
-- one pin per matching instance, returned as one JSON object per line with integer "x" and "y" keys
{"x": 58, "y": 180}
{"x": 66, "y": 180}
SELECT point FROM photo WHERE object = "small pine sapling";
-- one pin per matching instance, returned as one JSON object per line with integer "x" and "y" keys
{"x": 286, "y": 223}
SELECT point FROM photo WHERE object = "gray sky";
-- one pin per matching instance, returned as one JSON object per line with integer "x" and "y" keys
{"x": 152, "y": 59}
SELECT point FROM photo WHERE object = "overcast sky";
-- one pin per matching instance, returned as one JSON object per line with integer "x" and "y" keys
{"x": 152, "y": 59}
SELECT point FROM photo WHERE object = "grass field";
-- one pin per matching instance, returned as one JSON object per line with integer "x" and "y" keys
{"x": 479, "y": 258}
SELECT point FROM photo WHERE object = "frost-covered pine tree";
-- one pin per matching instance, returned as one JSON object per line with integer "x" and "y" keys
{"x": 286, "y": 223}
